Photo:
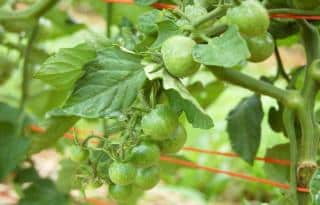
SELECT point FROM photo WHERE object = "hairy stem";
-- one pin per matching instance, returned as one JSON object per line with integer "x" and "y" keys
{"x": 218, "y": 12}
{"x": 108, "y": 19}
{"x": 26, "y": 75}
{"x": 307, "y": 159}
{"x": 237, "y": 78}
{"x": 289, "y": 121}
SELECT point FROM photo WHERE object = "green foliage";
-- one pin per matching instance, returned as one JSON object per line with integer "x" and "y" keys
{"x": 156, "y": 71}
{"x": 227, "y": 50}
{"x": 109, "y": 85}
{"x": 244, "y": 127}
{"x": 64, "y": 68}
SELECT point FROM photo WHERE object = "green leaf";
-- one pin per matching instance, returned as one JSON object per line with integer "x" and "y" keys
{"x": 275, "y": 119}
{"x": 196, "y": 118}
{"x": 43, "y": 192}
{"x": 145, "y": 2}
{"x": 180, "y": 98}
{"x": 227, "y": 50}
{"x": 148, "y": 21}
{"x": 276, "y": 172}
{"x": 166, "y": 29}
{"x": 64, "y": 68}
{"x": 54, "y": 128}
{"x": 109, "y": 86}
{"x": 244, "y": 127}
{"x": 315, "y": 187}
{"x": 13, "y": 148}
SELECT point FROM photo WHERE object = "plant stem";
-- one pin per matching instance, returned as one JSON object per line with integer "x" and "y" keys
{"x": 311, "y": 40}
{"x": 34, "y": 11}
{"x": 308, "y": 151}
{"x": 108, "y": 19}
{"x": 218, "y": 12}
{"x": 26, "y": 75}
{"x": 281, "y": 69}
{"x": 289, "y": 124}
{"x": 245, "y": 81}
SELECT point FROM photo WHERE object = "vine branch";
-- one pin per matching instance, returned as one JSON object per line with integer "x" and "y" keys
{"x": 245, "y": 81}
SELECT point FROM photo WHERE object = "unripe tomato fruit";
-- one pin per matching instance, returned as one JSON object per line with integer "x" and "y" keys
{"x": 306, "y": 4}
{"x": 160, "y": 122}
{"x": 145, "y": 154}
{"x": 261, "y": 47}
{"x": 77, "y": 153}
{"x": 175, "y": 142}
{"x": 251, "y": 18}
{"x": 122, "y": 173}
{"x": 177, "y": 56}
{"x": 147, "y": 178}
{"x": 120, "y": 192}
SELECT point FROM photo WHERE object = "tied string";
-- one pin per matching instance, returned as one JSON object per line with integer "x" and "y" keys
{"x": 172, "y": 7}
{"x": 193, "y": 165}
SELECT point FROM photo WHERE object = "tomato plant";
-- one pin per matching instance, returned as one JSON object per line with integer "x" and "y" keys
{"x": 147, "y": 84}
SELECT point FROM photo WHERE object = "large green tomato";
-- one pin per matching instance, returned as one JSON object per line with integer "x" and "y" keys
{"x": 122, "y": 173}
{"x": 251, "y": 18}
{"x": 145, "y": 154}
{"x": 306, "y": 4}
{"x": 175, "y": 142}
{"x": 147, "y": 178}
{"x": 119, "y": 192}
{"x": 177, "y": 56}
{"x": 160, "y": 122}
{"x": 260, "y": 47}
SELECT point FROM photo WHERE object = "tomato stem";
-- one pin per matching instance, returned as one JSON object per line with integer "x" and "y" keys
{"x": 218, "y": 12}
{"x": 245, "y": 81}
{"x": 289, "y": 125}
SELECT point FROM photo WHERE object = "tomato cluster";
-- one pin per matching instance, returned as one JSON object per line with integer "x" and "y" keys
{"x": 140, "y": 169}
{"x": 253, "y": 22}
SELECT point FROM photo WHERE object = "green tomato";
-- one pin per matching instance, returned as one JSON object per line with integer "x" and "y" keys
{"x": 306, "y": 4}
{"x": 251, "y": 18}
{"x": 120, "y": 192}
{"x": 175, "y": 142}
{"x": 260, "y": 47}
{"x": 177, "y": 56}
{"x": 122, "y": 173}
{"x": 145, "y": 154}
{"x": 77, "y": 153}
{"x": 147, "y": 178}
{"x": 160, "y": 122}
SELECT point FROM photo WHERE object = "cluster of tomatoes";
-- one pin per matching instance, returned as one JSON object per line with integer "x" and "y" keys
{"x": 252, "y": 20}
{"x": 141, "y": 170}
